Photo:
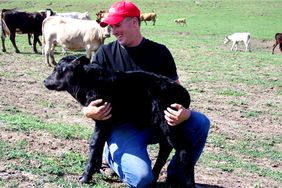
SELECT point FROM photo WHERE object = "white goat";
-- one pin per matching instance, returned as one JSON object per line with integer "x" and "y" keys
{"x": 237, "y": 37}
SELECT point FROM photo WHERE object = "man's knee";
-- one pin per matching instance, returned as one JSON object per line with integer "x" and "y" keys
{"x": 140, "y": 179}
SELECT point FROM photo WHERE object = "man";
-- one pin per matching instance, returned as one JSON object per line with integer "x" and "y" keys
{"x": 126, "y": 149}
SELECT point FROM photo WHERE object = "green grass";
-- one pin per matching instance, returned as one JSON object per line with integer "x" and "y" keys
{"x": 26, "y": 122}
{"x": 248, "y": 146}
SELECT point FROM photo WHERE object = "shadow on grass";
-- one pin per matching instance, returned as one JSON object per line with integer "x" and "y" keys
{"x": 165, "y": 185}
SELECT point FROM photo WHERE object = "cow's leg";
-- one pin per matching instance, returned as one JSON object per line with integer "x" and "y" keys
{"x": 236, "y": 46}
{"x": 12, "y": 38}
{"x": 186, "y": 160}
{"x": 52, "y": 57}
{"x": 185, "y": 163}
{"x": 233, "y": 45}
{"x": 165, "y": 149}
{"x": 47, "y": 51}
{"x": 246, "y": 46}
{"x": 96, "y": 147}
{"x": 88, "y": 52}
{"x": 249, "y": 46}
{"x": 35, "y": 40}
{"x": 3, "y": 37}
{"x": 29, "y": 38}
{"x": 39, "y": 42}
{"x": 274, "y": 46}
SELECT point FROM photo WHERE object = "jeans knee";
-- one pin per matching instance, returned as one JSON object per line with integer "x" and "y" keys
{"x": 140, "y": 180}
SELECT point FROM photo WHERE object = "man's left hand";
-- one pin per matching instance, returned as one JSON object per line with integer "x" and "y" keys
{"x": 176, "y": 114}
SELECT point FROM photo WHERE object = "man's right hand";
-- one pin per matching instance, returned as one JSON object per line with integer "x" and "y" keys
{"x": 96, "y": 111}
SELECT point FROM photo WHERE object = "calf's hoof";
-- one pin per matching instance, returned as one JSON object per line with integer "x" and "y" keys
{"x": 85, "y": 178}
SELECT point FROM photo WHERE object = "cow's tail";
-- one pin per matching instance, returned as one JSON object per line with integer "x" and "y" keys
{"x": 5, "y": 29}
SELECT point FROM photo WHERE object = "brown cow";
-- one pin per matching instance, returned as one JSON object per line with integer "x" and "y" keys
{"x": 278, "y": 40}
{"x": 101, "y": 14}
{"x": 151, "y": 16}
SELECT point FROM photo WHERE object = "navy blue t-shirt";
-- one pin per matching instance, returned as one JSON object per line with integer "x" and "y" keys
{"x": 147, "y": 56}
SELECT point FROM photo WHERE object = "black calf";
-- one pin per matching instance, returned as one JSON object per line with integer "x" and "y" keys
{"x": 139, "y": 97}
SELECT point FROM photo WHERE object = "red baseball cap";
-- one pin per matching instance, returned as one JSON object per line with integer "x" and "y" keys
{"x": 119, "y": 11}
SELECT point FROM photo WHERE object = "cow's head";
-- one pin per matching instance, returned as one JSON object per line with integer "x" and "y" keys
{"x": 226, "y": 40}
{"x": 67, "y": 73}
{"x": 107, "y": 31}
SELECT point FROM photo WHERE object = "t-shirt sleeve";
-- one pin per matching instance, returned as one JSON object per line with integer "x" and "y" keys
{"x": 167, "y": 63}
{"x": 99, "y": 57}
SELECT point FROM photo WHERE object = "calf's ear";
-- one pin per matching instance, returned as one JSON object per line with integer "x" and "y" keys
{"x": 83, "y": 60}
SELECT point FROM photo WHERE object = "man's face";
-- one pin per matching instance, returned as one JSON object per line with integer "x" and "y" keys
{"x": 125, "y": 31}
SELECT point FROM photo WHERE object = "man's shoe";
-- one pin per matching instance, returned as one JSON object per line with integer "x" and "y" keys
{"x": 107, "y": 171}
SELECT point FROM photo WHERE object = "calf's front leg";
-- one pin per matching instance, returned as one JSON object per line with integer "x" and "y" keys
{"x": 96, "y": 147}
{"x": 164, "y": 151}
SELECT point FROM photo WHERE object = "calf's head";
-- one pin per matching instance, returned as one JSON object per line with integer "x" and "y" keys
{"x": 67, "y": 72}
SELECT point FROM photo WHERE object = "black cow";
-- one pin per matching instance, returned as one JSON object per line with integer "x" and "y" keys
{"x": 14, "y": 21}
{"x": 278, "y": 40}
{"x": 136, "y": 96}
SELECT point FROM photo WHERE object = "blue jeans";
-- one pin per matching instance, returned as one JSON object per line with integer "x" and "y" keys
{"x": 126, "y": 150}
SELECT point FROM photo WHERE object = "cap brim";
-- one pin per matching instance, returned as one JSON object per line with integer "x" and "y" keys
{"x": 111, "y": 20}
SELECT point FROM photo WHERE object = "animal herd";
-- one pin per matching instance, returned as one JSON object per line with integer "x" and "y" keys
{"x": 75, "y": 31}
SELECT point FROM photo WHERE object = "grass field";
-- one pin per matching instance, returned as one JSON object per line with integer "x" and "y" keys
{"x": 44, "y": 136}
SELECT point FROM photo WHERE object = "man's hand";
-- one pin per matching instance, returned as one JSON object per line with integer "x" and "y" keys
{"x": 176, "y": 114}
{"x": 96, "y": 112}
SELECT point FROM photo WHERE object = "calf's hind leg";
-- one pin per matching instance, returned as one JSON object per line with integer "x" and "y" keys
{"x": 182, "y": 159}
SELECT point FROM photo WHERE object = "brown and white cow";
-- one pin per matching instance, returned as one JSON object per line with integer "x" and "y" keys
{"x": 72, "y": 34}
{"x": 14, "y": 21}
{"x": 278, "y": 40}
{"x": 180, "y": 21}
{"x": 101, "y": 14}
{"x": 151, "y": 16}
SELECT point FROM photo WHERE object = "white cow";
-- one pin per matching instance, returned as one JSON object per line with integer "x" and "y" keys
{"x": 237, "y": 37}
{"x": 72, "y": 34}
{"x": 75, "y": 15}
